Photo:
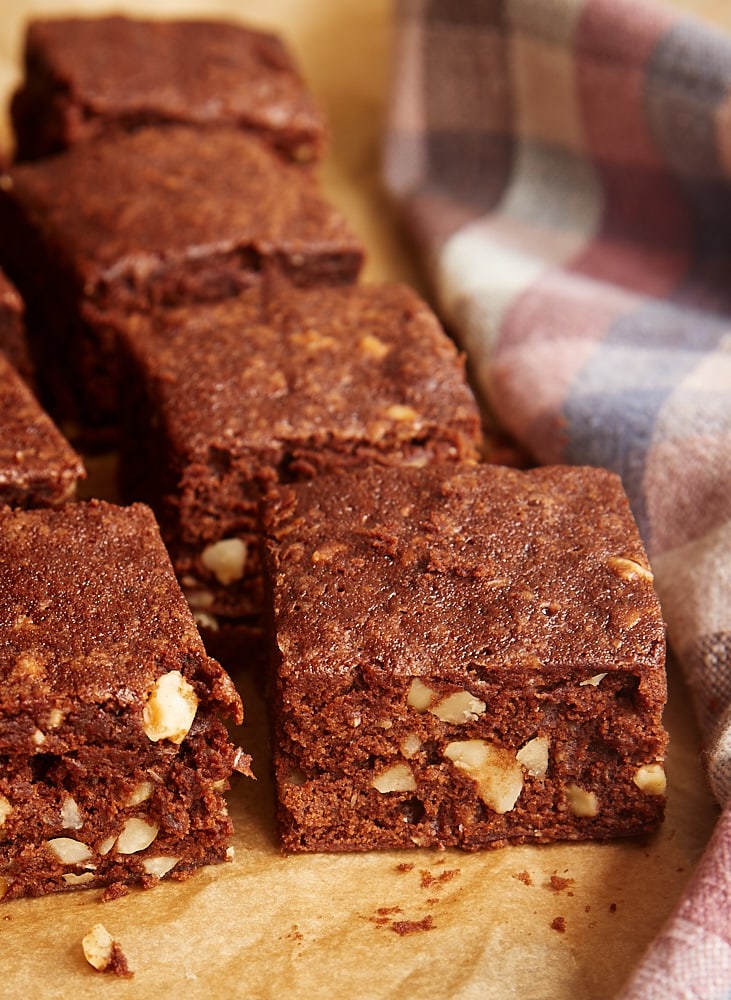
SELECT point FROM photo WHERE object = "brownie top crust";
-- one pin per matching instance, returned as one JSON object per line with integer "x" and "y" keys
{"x": 403, "y": 571}
{"x": 170, "y": 197}
{"x": 37, "y": 464}
{"x": 90, "y": 611}
{"x": 190, "y": 71}
{"x": 277, "y": 366}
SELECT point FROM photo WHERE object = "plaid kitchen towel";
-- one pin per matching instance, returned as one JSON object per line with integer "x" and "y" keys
{"x": 564, "y": 167}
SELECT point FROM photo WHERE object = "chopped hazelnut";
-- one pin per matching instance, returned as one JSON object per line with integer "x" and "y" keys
{"x": 372, "y": 347}
{"x": 140, "y": 793}
{"x": 593, "y": 681}
{"x": 397, "y": 778}
{"x": 106, "y": 845}
{"x": 170, "y": 708}
{"x": 630, "y": 569}
{"x": 97, "y": 946}
{"x": 533, "y": 756}
{"x": 226, "y": 559}
{"x": 401, "y": 413}
{"x": 650, "y": 778}
{"x": 70, "y": 814}
{"x": 160, "y": 865}
{"x": 199, "y": 600}
{"x": 419, "y": 696}
{"x": 410, "y": 745}
{"x": 5, "y": 809}
{"x": 458, "y": 708}
{"x": 71, "y": 878}
{"x": 55, "y": 718}
{"x": 495, "y": 771}
{"x": 581, "y": 802}
{"x": 204, "y": 619}
{"x": 136, "y": 835}
{"x": 68, "y": 851}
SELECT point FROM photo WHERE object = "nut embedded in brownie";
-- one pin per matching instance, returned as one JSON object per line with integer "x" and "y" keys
{"x": 462, "y": 656}
{"x": 115, "y": 755}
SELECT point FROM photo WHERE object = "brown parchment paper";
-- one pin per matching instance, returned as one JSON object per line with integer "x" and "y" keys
{"x": 529, "y": 922}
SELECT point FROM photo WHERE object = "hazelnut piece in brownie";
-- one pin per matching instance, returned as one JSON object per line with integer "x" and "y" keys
{"x": 277, "y": 385}
{"x": 114, "y": 756}
{"x": 38, "y": 467}
{"x": 182, "y": 215}
{"x": 462, "y": 657}
{"x": 86, "y": 76}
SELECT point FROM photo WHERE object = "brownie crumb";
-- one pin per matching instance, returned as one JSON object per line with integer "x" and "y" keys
{"x": 558, "y": 883}
{"x": 404, "y": 927}
{"x": 405, "y": 866}
{"x": 612, "y": 907}
{"x": 428, "y": 880}
{"x": 118, "y": 963}
{"x": 114, "y": 891}
{"x": 559, "y": 924}
{"x": 524, "y": 877}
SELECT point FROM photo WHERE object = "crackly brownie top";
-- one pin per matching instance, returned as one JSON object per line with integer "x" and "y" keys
{"x": 90, "y": 610}
{"x": 179, "y": 70}
{"x": 364, "y": 363}
{"x": 413, "y": 571}
{"x": 170, "y": 195}
{"x": 37, "y": 464}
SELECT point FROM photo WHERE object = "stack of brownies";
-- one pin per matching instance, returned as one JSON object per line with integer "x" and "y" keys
{"x": 458, "y": 653}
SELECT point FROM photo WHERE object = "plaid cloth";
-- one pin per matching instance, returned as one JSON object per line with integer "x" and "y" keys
{"x": 563, "y": 166}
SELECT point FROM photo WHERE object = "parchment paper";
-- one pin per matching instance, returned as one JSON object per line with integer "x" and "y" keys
{"x": 530, "y": 922}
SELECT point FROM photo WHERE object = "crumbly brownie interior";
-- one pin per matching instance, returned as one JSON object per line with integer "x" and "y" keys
{"x": 115, "y": 757}
{"x": 462, "y": 656}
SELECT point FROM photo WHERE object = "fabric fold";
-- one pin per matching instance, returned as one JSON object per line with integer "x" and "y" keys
{"x": 564, "y": 169}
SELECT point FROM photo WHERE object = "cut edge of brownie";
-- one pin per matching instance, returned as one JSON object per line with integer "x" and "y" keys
{"x": 116, "y": 755}
{"x": 401, "y": 723}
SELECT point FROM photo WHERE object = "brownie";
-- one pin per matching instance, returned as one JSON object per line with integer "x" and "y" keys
{"x": 181, "y": 216}
{"x": 277, "y": 385}
{"x": 86, "y": 76}
{"x": 13, "y": 341}
{"x": 462, "y": 656}
{"x": 38, "y": 467}
{"x": 115, "y": 755}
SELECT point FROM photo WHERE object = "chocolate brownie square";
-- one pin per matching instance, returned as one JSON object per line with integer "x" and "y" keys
{"x": 114, "y": 756}
{"x": 86, "y": 76}
{"x": 462, "y": 656}
{"x": 181, "y": 215}
{"x": 38, "y": 467}
{"x": 277, "y": 385}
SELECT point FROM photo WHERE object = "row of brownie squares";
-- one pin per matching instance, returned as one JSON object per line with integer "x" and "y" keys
{"x": 194, "y": 290}
{"x": 342, "y": 379}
